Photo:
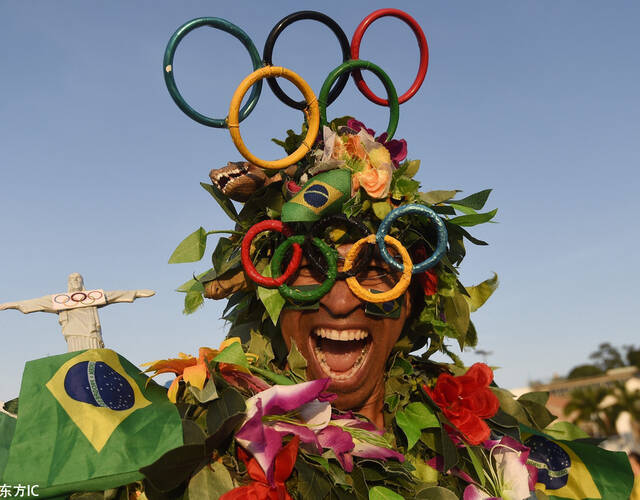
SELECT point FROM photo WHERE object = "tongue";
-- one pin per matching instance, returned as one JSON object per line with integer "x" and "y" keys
{"x": 340, "y": 355}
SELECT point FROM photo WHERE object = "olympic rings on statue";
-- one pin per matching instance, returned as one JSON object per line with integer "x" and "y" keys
{"x": 400, "y": 287}
{"x": 312, "y": 112}
{"x": 416, "y": 209}
{"x": 319, "y": 229}
{"x": 74, "y": 297}
{"x": 279, "y": 28}
{"x": 92, "y": 294}
{"x": 315, "y": 294}
{"x": 252, "y": 273}
{"x": 63, "y": 296}
{"x": 224, "y": 25}
{"x": 422, "y": 43}
{"x": 394, "y": 107}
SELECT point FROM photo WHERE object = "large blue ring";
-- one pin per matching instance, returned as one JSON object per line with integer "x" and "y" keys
{"x": 412, "y": 208}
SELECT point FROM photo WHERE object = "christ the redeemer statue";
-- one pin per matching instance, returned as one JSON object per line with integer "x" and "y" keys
{"x": 77, "y": 310}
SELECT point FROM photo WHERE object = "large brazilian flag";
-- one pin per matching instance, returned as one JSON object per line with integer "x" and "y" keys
{"x": 88, "y": 421}
{"x": 577, "y": 470}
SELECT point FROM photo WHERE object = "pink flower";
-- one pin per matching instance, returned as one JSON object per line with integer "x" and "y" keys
{"x": 299, "y": 409}
{"x": 397, "y": 148}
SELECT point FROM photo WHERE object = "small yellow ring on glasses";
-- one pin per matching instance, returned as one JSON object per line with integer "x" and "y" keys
{"x": 312, "y": 113}
{"x": 401, "y": 285}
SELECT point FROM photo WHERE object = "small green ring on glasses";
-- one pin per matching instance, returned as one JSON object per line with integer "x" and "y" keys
{"x": 312, "y": 295}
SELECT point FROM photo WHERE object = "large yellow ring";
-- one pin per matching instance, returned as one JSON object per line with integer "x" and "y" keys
{"x": 401, "y": 285}
{"x": 312, "y": 112}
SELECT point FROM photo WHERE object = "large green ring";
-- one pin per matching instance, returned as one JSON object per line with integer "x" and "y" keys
{"x": 224, "y": 25}
{"x": 314, "y": 294}
{"x": 392, "y": 95}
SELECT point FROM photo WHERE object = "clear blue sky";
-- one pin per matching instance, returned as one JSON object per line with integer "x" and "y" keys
{"x": 100, "y": 170}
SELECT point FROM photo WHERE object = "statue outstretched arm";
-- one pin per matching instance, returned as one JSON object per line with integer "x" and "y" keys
{"x": 41, "y": 304}
{"x": 126, "y": 295}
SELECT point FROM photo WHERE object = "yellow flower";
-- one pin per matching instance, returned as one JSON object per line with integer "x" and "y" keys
{"x": 193, "y": 371}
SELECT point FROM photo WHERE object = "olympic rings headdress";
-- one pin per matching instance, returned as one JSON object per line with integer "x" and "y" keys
{"x": 320, "y": 195}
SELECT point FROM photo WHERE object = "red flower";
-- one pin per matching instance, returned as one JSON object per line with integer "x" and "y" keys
{"x": 428, "y": 279}
{"x": 466, "y": 401}
{"x": 260, "y": 489}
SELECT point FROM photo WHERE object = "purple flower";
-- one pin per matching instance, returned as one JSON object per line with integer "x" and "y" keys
{"x": 397, "y": 147}
{"x": 282, "y": 410}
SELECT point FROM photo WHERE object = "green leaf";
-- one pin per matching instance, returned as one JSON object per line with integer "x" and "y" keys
{"x": 538, "y": 414}
{"x": 406, "y": 186}
{"x": 271, "y": 298}
{"x": 175, "y": 466}
{"x": 477, "y": 464}
{"x": 412, "y": 168}
{"x": 195, "y": 284}
{"x": 297, "y": 363}
{"x": 456, "y": 312}
{"x": 539, "y": 397}
{"x": 382, "y": 493}
{"x": 192, "y": 301}
{"x": 312, "y": 484}
{"x": 210, "y": 482}
{"x": 225, "y": 203}
{"x": 479, "y": 294}
{"x": 191, "y": 249}
{"x": 462, "y": 208}
{"x": 270, "y": 375}
{"x": 381, "y": 209}
{"x": 473, "y": 219}
{"x": 436, "y": 493}
{"x": 228, "y": 405}
{"x": 435, "y": 197}
{"x": 413, "y": 419}
{"x": 233, "y": 354}
{"x": 261, "y": 347}
{"x": 510, "y": 406}
{"x": 565, "y": 431}
{"x": 475, "y": 201}
{"x": 207, "y": 393}
{"x": 353, "y": 205}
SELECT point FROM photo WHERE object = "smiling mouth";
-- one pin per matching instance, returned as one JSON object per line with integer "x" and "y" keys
{"x": 340, "y": 353}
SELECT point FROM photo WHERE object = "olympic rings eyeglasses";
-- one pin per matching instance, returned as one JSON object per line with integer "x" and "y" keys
{"x": 329, "y": 269}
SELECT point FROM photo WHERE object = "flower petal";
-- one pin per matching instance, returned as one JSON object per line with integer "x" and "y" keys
{"x": 304, "y": 434}
{"x": 172, "y": 393}
{"x": 316, "y": 414}
{"x": 260, "y": 440}
{"x": 196, "y": 375}
{"x": 472, "y": 492}
{"x": 340, "y": 442}
{"x": 283, "y": 398}
{"x": 368, "y": 450}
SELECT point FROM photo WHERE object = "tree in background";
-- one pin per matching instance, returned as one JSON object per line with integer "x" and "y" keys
{"x": 584, "y": 407}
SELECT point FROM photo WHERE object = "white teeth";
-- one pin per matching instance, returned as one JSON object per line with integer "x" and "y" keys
{"x": 340, "y": 375}
{"x": 330, "y": 333}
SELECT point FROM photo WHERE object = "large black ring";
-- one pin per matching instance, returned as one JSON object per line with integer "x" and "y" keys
{"x": 318, "y": 229}
{"x": 275, "y": 33}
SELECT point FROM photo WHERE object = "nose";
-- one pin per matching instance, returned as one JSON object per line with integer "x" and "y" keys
{"x": 340, "y": 301}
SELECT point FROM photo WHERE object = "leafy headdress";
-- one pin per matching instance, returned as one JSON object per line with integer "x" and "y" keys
{"x": 350, "y": 172}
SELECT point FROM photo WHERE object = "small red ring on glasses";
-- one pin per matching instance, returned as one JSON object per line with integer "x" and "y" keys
{"x": 254, "y": 275}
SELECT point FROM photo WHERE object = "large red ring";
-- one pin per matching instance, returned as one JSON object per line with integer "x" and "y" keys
{"x": 266, "y": 282}
{"x": 422, "y": 43}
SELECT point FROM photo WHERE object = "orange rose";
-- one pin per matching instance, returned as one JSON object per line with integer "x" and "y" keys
{"x": 375, "y": 181}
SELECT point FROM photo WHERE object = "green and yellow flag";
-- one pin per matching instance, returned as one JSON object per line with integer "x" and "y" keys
{"x": 322, "y": 195}
{"x": 577, "y": 470}
{"x": 88, "y": 421}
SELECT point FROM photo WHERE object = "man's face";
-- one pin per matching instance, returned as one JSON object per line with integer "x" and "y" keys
{"x": 341, "y": 341}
